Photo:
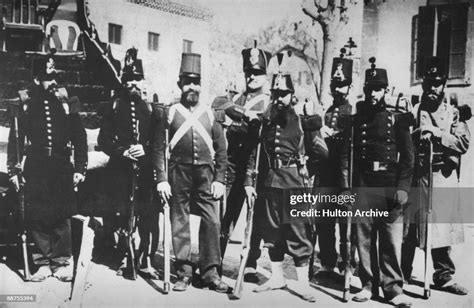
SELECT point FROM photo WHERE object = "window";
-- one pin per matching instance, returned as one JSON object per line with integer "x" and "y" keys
{"x": 115, "y": 34}
{"x": 441, "y": 31}
{"x": 187, "y": 46}
{"x": 153, "y": 39}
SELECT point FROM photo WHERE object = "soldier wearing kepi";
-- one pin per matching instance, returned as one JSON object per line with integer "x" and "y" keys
{"x": 125, "y": 135}
{"x": 51, "y": 123}
{"x": 438, "y": 122}
{"x": 243, "y": 127}
{"x": 336, "y": 119}
{"x": 382, "y": 168}
{"x": 283, "y": 173}
{"x": 197, "y": 164}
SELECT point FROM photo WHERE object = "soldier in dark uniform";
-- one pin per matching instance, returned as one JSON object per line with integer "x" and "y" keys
{"x": 383, "y": 162}
{"x": 439, "y": 122}
{"x": 242, "y": 112}
{"x": 283, "y": 173}
{"x": 125, "y": 135}
{"x": 336, "y": 119}
{"x": 197, "y": 164}
{"x": 51, "y": 124}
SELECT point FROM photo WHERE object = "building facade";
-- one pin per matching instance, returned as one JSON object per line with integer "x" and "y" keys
{"x": 161, "y": 30}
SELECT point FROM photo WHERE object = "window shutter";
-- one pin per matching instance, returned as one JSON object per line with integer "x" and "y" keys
{"x": 425, "y": 36}
{"x": 457, "y": 51}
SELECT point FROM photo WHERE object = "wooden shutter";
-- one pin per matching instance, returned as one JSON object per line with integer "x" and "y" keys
{"x": 425, "y": 37}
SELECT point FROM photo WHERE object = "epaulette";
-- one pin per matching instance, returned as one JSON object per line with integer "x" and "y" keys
{"x": 74, "y": 105}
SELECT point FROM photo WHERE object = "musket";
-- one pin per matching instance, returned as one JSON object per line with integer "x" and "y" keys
{"x": 244, "y": 255}
{"x": 347, "y": 257}
{"x": 21, "y": 195}
{"x": 426, "y": 278}
{"x": 131, "y": 226}
{"x": 166, "y": 226}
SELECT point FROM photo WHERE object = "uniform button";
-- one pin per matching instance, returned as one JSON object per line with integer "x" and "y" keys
{"x": 49, "y": 138}
{"x": 133, "y": 108}
{"x": 46, "y": 107}
{"x": 49, "y": 131}
{"x": 388, "y": 157}
{"x": 48, "y": 124}
{"x": 278, "y": 133}
{"x": 48, "y": 119}
{"x": 336, "y": 109}
{"x": 277, "y": 149}
{"x": 133, "y": 114}
{"x": 132, "y": 103}
{"x": 364, "y": 133}
{"x": 388, "y": 148}
{"x": 388, "y": 140}
{"x": 47, "y": 113}
{"x": 364, "y": 141}
{"x": 363, "y": 156}
{"x": 364, "y": 125}
{"x": 277, "y": 141}
{"x": 278, "y": 126}
{"x": 388, "y": 132}
{"x": 335, "y": 114}
{"x": 46, "y": 102}
{"x": 389, "y": 124}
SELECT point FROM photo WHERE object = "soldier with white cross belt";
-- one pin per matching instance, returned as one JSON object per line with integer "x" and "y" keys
{"x": 197, "y": 163}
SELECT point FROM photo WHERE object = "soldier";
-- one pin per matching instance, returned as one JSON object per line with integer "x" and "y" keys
{"x": 243, "y": 127}
{"x": 283, "y": 174}
{"x": 438, "y": 122}
{"x": 50, "y": 123}
{"x": 197, "y": 164}
{"x": 336, "y": 119}
{"x": 126, "y": 119}
{"x": 381, "y": 172}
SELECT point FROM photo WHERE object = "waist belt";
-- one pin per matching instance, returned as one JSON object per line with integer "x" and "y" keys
{"x": 287, "y": 162}
{"x": 376, "y": 166}
{"x": 49, "y": 151}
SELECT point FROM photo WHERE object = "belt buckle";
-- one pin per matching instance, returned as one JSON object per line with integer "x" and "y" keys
{"x": 376, "y": 166}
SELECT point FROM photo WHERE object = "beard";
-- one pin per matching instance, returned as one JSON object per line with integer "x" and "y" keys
{"x": 279, "y": 114}
{"x": 190, "y": 98}
{"x": 432, "y": 99}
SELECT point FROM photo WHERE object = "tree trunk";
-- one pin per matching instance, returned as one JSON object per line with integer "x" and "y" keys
{"x": 326, "y": 65}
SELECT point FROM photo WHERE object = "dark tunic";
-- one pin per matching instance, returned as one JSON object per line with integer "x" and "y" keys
{"x": 117, "y": 134}
{"x": 51, "y": 126}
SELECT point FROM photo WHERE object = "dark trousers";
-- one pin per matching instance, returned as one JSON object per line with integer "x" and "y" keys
{"x": 53, "y": 242}
{"x": 193, "y": 182}
{"x": 442, "y": 262}
{"x": 235, "y": 202}
{"x": 327, "y": 241}
{"x": 382, "y": 265}
{"x": 282, "y": 236}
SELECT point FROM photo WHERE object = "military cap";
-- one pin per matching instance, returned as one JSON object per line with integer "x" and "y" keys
{"x": 434, "y": 69}
{"x": 255, "y": 59}
{"x": 341, "y": 72}
{"x": 190, "y": 65}
{"x": 282, "y": 81}
{"x": 133, "y": 68}
{"x": 376, "y": 76}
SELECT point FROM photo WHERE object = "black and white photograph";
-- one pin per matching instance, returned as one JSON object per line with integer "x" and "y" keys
{"x": 236, "y": 153}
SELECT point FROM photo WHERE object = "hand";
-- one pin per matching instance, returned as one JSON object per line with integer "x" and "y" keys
{"x": 164, "y": 189}
{"x": 78, "y": 178}
{"x": 326, "y": 131}
{"x": 250, "y": 192}
{"x": 303, "y": 171}
{"x": 401, "y": 197}
{"x": 217, "y": 190}
{"x": 16, "y": 183}
{"x": 435, "y": 131}
{"x": 136, "y": 150}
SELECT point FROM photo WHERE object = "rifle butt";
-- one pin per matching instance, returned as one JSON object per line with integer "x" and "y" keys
{"x": 26, "y": 266}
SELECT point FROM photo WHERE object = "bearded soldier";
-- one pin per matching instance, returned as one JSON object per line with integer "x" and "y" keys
{"x": 125, "y": 136}
{"x": 438, "y": 122}
{"x": 336, "y": 119}
{"x": 243, "y": 126}
{"x": 283, "y": 173}
{"x": 381, "y": 172}
{"x": 50, "y": 123}
{"x": 197, "y": 164}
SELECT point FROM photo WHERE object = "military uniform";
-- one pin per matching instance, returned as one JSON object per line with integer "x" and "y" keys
{"x": 197, "y": 158}
{"x": 382, "y": 165}
{"x": 337, "y": 118}
{"x": 50, "y": 125}
{"x": 239, "y": 132}
{"x": 127, "y": 121}
{"x": 447, "y": 149}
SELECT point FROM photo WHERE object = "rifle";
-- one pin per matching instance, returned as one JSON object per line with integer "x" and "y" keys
{"x": 21, "y": 193}
{"x": 426, "y": 278}
{"x": 131, "y": 226}
{"x": 166, "y": 226}
{"x": 347, "y": 257}
{"x": 244, "y": 255}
